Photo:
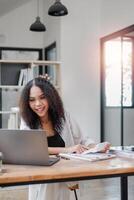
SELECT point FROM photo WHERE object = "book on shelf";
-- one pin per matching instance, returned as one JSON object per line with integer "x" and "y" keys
{"x": 32, "y": 72}
{"x": 21, "y": 76}
{"x": 27, "y": 75}
{"x": 52, "y": 73}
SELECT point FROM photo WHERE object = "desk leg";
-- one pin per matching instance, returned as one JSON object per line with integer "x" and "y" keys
{"x": 124, "y": 187}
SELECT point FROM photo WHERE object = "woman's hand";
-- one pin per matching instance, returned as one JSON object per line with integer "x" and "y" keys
{"x": 101, "y": 147}
{"x": 76, "y": 149}
{"x": 79, "y": 148}
{"x": 106, "y": 147}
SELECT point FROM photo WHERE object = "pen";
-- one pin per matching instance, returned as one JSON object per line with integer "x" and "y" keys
{"x": 65, "y": 158}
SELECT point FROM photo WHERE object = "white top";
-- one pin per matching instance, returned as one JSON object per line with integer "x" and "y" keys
{"x": 72, "y": 135}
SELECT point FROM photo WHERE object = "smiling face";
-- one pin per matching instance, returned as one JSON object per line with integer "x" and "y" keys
{"x": 38, "y": 103}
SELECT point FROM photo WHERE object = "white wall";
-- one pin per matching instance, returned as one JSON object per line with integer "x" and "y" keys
{"x": 14, "y": 27}
{"x": 80, "y": 64}
{"x": 116, "y": 15}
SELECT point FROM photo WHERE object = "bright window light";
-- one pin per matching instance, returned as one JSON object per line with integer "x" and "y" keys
{"x": 118, "y": 53}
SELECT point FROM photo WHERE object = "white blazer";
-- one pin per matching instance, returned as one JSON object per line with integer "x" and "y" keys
{"x": 72, "y": 135}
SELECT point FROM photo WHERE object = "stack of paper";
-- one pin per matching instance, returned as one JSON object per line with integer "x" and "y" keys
{"x": 125, "y": 152}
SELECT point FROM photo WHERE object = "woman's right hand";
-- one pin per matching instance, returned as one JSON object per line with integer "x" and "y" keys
{"x": 79, "y": 148}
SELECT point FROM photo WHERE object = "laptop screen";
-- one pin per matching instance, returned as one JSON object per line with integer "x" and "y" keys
{"x": 25, "y": 147}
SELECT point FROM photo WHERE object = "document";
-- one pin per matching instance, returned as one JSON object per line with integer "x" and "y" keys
{"x": 126, "y": 151}
{"x": 92, "y": 154}
{"x": 88, "y": 156}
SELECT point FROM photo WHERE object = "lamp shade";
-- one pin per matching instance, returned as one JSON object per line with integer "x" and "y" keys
{"x": 37, "y": 25}
{"x": 57, "y": 9}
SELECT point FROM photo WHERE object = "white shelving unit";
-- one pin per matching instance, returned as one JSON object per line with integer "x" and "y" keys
{"x": 13, "y": 120}
{"x": 11, "y": 87}
{"x": 33, "y": 63}
{"x": 30, "y": 64}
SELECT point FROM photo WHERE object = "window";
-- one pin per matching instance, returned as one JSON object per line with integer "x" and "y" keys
{"x": 117, "y": 87}
{"x": 118, "y": 71}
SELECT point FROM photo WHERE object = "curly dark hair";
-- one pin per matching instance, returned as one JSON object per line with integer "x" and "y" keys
{"x": 55, "y": 111}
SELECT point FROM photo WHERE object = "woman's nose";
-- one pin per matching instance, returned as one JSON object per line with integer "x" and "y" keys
{"x": 37, "y": 102}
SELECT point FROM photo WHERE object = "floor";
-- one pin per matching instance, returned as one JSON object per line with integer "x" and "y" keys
{"x": 14, "y": 193}
{"x": 104, "y": 189}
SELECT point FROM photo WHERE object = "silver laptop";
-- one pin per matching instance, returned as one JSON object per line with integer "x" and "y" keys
{"x": 25, "y": 147}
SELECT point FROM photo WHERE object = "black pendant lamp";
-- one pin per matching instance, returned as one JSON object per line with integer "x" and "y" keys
{"x": 37, "y": 26}
{"x": 57, "y": 9}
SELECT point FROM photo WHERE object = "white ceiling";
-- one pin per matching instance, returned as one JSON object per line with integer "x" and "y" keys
{"x": 8, "y": 5}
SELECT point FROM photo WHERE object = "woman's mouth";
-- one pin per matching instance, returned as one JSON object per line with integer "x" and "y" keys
{"x": 40, "y": 110}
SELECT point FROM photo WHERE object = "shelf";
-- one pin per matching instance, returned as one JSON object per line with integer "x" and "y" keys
{"x": 11, "y": 87}
{"x": 8, "y": 112}
{"x": 31, "y": 62}
{"x": 16, "y": 87}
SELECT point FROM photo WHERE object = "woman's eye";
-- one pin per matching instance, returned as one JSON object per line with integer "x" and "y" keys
{"x": 42, "y": 97}
{"x": 31, "y": 100}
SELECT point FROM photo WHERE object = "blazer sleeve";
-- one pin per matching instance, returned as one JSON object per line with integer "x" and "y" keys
{"x": 78, "y": 136}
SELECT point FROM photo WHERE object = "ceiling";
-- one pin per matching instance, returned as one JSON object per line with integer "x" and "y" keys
{"x": 8, "y": 5}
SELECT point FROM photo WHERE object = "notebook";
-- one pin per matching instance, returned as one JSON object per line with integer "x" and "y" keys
{"x": 92, "y": 154}
{"x": 88, "y": 157}
{"x": 25, "y": 147}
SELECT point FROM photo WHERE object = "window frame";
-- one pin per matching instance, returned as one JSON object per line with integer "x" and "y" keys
{"x": 103, "y": 106}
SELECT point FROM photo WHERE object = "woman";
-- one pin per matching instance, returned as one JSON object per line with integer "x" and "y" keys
{"x": 41, "y": 108}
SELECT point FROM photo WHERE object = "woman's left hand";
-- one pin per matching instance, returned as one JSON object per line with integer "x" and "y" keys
{"x": 102, "y": 147}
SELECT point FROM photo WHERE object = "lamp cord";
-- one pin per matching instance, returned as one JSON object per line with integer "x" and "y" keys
{"x": 75, "y": 194}
{"x": 37, "y": 7}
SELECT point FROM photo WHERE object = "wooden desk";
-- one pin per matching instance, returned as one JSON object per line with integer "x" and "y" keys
{"x": 69, "y": 170}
